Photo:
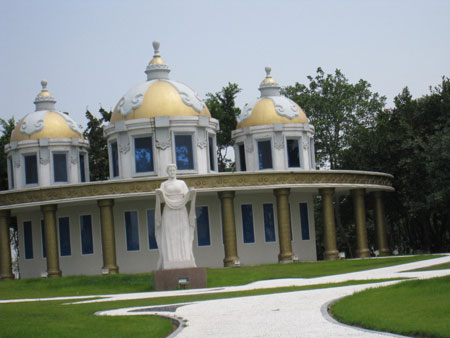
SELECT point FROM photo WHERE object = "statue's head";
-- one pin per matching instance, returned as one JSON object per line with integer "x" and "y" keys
{"x": 172, "y": 170}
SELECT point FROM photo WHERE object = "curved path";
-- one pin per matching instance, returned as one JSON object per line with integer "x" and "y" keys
{"x": 291, "y": 314}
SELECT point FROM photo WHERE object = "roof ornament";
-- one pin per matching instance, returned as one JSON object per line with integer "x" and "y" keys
{"x": 269, "y": 87}
{"x": 157, "y": 68}
{"x": 44, "y": 100}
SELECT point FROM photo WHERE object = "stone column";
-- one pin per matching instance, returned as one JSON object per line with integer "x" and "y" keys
{"x": 359, "y": 210}
{"x": 108, "y": 236}
{"x": 284, "y": 225}
{"x": 380, "y": 224}
{"x": 329, "y": 227}
{"x": 5, "y": 246}
{"x": 51, "y": 240}
{"x": 229, "y": 228}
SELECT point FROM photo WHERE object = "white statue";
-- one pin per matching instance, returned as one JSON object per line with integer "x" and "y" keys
{"x": 175, "y": 229}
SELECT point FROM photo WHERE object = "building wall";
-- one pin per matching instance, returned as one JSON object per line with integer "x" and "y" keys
{"x": 145, "y": 259}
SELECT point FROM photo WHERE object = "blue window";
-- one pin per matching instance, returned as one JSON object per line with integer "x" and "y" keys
{"x": 269, "y": 223}
{"x": 87, "y": 243}
{"x": 31, "y": 171}
{"x": 183, "y": 152}
{"x": 247, "y": 223}
{"x": 143, "y": 154}
{"x": 28, "y": 239}
{"x": 304, "y": 220}
{"x": 44, "y": 250}
{"x": 212, "y": 154}
{"x": 203, "y": 235}
{"x": 115, "y": 159}
{"x": 293, "y": 153}
{"x": 152, "y": 244}
{"x": 265, "y": 155}
{"x": 64, "y": 237}
{"x": 60, "y": 167}
{"x": 82, "y": 168}
{"x": 242, "y": 157}
{"x": 132, "y": 230}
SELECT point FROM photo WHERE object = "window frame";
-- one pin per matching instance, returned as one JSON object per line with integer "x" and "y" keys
{"x": 194, "y": 152}
{"x": 81, "y": 235}
{"x": 43, "y": 243}
{"x": 59, "y": 238}
{"x": 269, "y": 139}
{"x": 84, "y": 165}
{"x": 111, "y": 143}
{"x": 153, "y": 152}
{"x": 300, "y": 157}
{"x": 307, "y": 218}
{"x": 253, "y": 224}
{"x": 125, "y": 229}
{"x": 10, "y": 168}
{"x": 274, "y": 221}
{"x": 25, "y": 240}
{"x": 148, "y": 230}
{"x": 209, "y": 226}
{"x": 57, "y": 152}
{"x": 211, "y": 152}
{"x": 35, "y": 154}
{"x": 239, "y": 145}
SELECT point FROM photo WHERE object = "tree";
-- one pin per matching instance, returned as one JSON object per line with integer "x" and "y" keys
{"x": 7, "y": 129}
{"x": 337, "y": 109}
{"x": 222, "y": 107}
{"x": 412, "y": 141}
{"x": 98, "y": 147}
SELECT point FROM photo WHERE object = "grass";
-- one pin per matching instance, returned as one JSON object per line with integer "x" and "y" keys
{"x": 433, "y": 267}
{"x": 419, "y": 308}
{"x": 124, "y": 283}
{"x": 52, "y": 319}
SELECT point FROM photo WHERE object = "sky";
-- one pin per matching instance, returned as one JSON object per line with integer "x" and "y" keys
{"x": 92, "y": 51}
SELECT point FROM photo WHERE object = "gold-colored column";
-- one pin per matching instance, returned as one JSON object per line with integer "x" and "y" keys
{"x": 359, "y": 210}
{"x": 380, "y": 224}
{"x": 284, "y": 225}
{"x": 5, "y": 246}
{"x": 51, "y": 240}
{"x": 229, "y": 228}
{"x": 108, "y": 236}
{"x": 329, "y": 226}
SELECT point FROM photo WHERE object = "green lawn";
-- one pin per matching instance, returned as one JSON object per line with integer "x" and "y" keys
{"x": 53, "y": 319}
{"x": 123, "y": 283}
{"x": 434, "y": 267}
{"x": 419, "y": 308}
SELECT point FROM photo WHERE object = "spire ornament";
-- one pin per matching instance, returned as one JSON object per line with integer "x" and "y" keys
{"x": 157, "y": 68}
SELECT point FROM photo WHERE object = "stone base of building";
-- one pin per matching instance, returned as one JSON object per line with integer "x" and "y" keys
{"x": 186, "y": 278}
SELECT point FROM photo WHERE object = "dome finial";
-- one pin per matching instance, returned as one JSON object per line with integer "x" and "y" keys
{"x": 268, "y": 70}
{"x": 269, "y": 87}
{"x": 44, "y": 85}
{"x": 156, "y": 47}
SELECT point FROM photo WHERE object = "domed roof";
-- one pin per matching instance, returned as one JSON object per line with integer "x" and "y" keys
{"x": 159, "y": 96}
{"x": 271, "y": 107}
{"x": 45, "y": 122}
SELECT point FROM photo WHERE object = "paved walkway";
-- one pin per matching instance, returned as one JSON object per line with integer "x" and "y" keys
{"x": 292, "y": 314}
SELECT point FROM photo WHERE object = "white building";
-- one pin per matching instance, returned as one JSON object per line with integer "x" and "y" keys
{"x": 263, "y": 213}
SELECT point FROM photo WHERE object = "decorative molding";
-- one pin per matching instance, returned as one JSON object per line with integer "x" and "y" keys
{"x": 44, "y": 156}
{"x": 249, "y": 144}
{"x": 33, "y": 122}
{"x": 16, "y": 161}
{"x": 133, "y": 98}
{"x": 284, "y": 107}
{"x": 124, "y": 148}
{"x": 188, "y": 96}
{"x": 235, "y": 181}
{"x": 246, "y": 112}
{"x": 71, "y": 123}
{"x": 163, "y": 140}
{"x": 305, "y": 144}
{"x": 278, "y": 141}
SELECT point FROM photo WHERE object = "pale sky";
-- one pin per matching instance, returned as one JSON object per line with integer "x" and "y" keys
{"x": 92, "y": 51}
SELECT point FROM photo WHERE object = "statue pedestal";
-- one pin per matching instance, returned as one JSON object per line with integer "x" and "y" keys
{"x": 186, "y": 278}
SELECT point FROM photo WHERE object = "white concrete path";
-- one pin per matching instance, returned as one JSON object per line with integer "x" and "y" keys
{"x": 292, "y": 314}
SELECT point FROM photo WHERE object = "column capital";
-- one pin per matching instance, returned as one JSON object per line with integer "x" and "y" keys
{"x": 358, "y": 191}
{"x": 282, "y": 191}
{"x": 49, "y": 207}
{"x": 105, "y": 203}
{"x": 377, "y": 193}
{"x": 326, "y": 191}
{"x": 226, "y": 194}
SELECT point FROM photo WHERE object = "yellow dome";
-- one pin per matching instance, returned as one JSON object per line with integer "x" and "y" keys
{"x": 159, "y": 98}
{"x": 264, "y": 112}
{"x": 44, "y": 124}
{"x": 271, "y": 108}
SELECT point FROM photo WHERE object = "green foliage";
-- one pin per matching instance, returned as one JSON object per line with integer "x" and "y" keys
{"x": 337, "y": 109}
{"x": 7, "y": 129}
{"x": 98, "y": 147}
{"x": 222, "y": 107}
{"x": 412, "y": 141}
{"x": 417, "y": 308}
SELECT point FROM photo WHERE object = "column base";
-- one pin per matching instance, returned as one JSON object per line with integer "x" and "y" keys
{"x": 362, "y": 253}
{"x": 331, "y": 255}
{"x": 7, "y": 277}
{"x": 231, "y": 261}
{"x": 54, "y": 274}
{"x": 285, "y": 258}
{"x": 385, "y": 252}
{"x": 111, "y": 270}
